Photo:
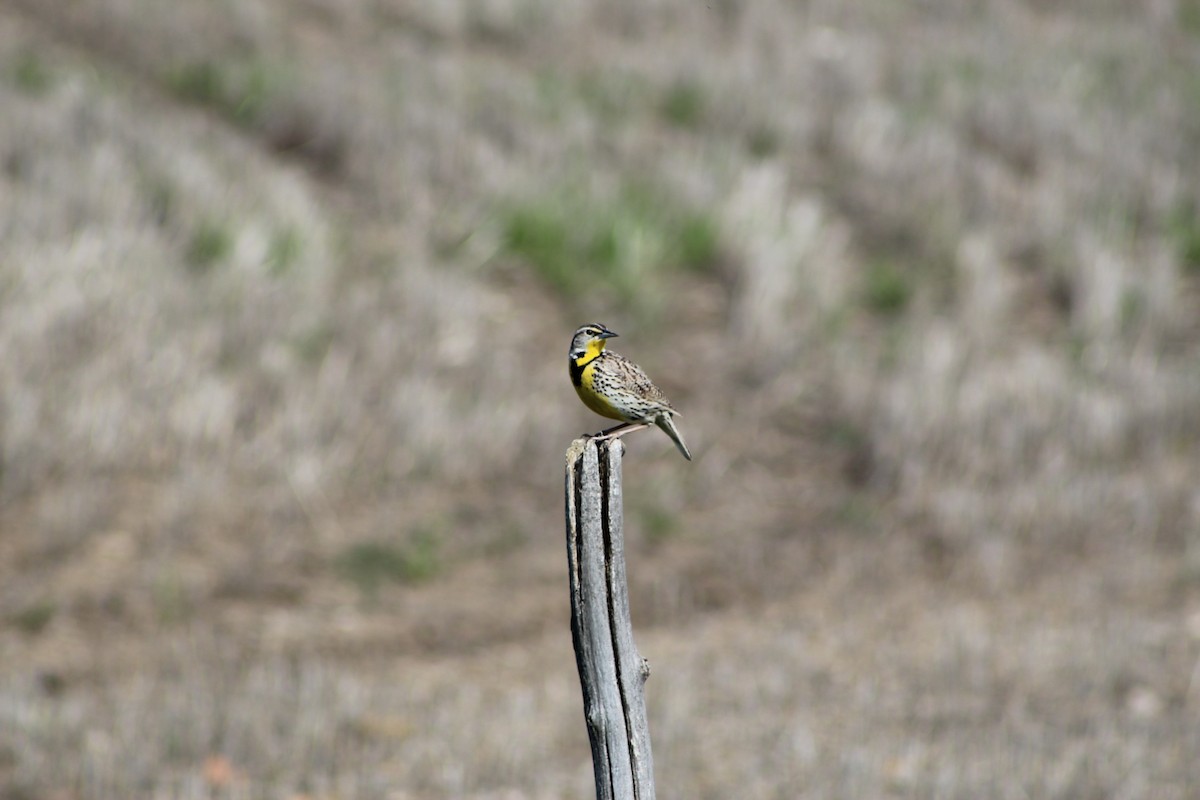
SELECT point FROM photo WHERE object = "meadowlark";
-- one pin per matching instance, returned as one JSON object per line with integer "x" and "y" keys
{"x": 615, "y": 387}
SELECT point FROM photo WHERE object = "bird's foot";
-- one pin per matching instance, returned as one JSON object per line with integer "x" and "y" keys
{"x": 617, "y": 431}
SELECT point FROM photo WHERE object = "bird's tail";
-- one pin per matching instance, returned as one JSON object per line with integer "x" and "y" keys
{"x": 665, "y": 422}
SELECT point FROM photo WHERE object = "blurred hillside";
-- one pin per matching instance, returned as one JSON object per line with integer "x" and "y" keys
{"x": 285, "y": 294}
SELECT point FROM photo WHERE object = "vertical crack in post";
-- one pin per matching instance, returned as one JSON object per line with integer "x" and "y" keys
{"x": 614, "y": 568}
{"x": 602, "y": 469}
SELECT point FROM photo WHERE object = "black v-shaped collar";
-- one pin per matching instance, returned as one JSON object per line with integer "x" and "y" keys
{"x": 577, "y": 368}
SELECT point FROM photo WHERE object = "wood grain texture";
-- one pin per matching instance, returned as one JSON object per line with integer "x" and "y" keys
{"x": 612, "y": 674}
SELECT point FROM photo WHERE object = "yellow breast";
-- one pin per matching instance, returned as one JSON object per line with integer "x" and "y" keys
{"x": 588, "y": 394}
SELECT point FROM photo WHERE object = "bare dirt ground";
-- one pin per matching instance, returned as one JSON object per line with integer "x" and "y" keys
{"x": 285, "y": 290}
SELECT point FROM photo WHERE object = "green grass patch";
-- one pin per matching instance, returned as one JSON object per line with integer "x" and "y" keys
{"x": 172, "y": 604}
{"x": 33, "y": 618}
{"x": 684, "y": 104}
{"x": 620, "y": 249}
{"x": 845, "y": 434}
{"x": 211, "y": 243}
{"x": 614, "y": 96}
{"x": 857, "y": 512}
{"x": 201, "y": 82}
{"x": 284, "y": 250}
{"x": 1133, "y": 311}
{"x": 658, "y": 524}
{"x": 762, "y": 141}
{"x": 238, "y": 90}
{"x": 887, "y": 289}
{"x": 1188, "y": 13}
{"x": 256, "y": 86}
{"x": 30, "y": 74}
{"x": 544, "y": 236}
{"x": 1076, "y": 346}
{"x": 1184, "y": 230}
{"x": 370, "y": 565}
{"x": 553, "y": 93}
{"x": 699, "y": 242}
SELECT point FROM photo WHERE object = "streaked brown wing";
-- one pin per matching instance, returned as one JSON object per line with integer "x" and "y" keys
{"x": 634, "y": 378}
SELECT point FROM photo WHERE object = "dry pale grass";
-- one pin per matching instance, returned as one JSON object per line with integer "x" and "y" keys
{"x": 943, "y": 690}
{"x": 942, "y": 538}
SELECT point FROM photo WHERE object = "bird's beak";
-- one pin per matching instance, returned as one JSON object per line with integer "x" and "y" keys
{"x": 608, "y": 335}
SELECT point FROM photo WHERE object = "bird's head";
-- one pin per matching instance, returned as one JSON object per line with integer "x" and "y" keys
{"x": 588, "y": 341}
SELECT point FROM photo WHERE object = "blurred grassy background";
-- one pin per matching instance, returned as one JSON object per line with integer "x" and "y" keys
{"x": 285, "y": 294}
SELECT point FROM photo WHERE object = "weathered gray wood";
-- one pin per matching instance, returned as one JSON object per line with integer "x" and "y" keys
{"x": 611, "y": 672}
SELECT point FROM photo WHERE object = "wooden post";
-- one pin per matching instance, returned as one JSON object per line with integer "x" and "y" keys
{"x": 611, "y": 672}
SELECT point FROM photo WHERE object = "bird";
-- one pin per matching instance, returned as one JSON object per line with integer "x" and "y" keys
{"x": 615, "y": 387}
